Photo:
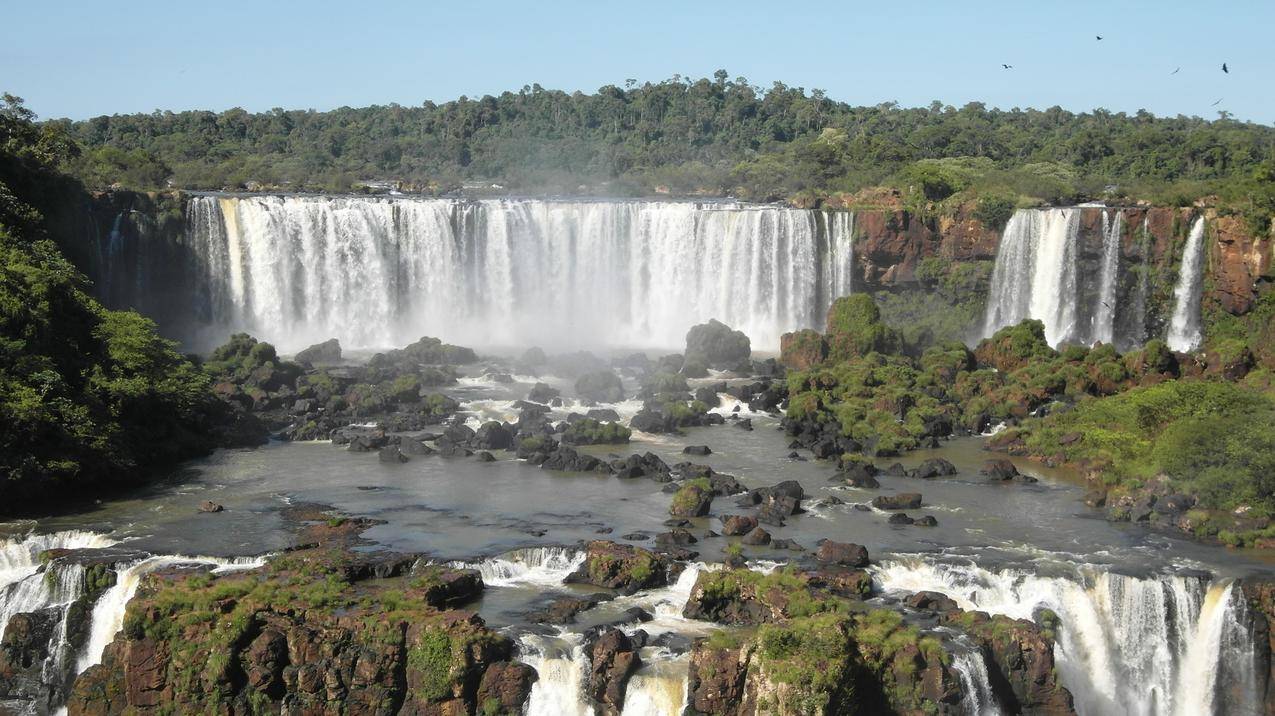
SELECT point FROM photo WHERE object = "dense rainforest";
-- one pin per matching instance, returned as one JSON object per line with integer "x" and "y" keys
{"x": 708, "y": 136}
{"x": 87, "y": 395}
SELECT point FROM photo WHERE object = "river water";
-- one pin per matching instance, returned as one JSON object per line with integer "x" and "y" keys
{"x": 1144, "y": 610}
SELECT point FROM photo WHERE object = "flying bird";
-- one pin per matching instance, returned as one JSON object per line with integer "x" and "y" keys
{"x": 1219, "y": 101}
{"x": 1175, "y": 71}
{"x": 1099, "y": 37}
{"x": 1224, "y": 68}
{"x": 1008, "y": 67}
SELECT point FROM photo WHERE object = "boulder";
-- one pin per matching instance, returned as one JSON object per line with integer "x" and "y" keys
{"x": 210, "y": 506}
{"x": 604, "y": 386}
{"x": 999, "y": 469}
{"x": 492, "y": 435}
{"x": 757, "y": 536}
{"x": 507, "y": 683}
{"x": 901, "y": 501}
{"x": 736, "y": 525}
{"x": 691, "y": 500}
{"x": 542, "y": 393}
{"x": 622, "y": 567}
{"x": 613, "y": 659}
{"x": 716, "y": 344}
{"x": 328, "y": 351}
{"x": 934, "y": 467}
{"x": 844, "y": 554}
{"x": 900, "y": 518}
{"x": 698, "y": 450}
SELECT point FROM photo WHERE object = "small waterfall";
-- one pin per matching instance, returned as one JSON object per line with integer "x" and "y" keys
{"x": 377, "y": 271}
{"x": 563, "y": 667}
{"x": 108, "y": 612}
{"x": 1035, "y": 274}
{"x": 1184, "y": 328}
{"x": 979, "y": 699}
{"x": 1126, "y": 645}
{"x": 1104, "y": 320}
{"x": 659, "y": 687}
{"x": 542, "y": 566}
{"x": 23, "y": 587}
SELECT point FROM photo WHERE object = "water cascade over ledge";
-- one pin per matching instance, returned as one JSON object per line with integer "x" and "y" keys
{"x": 1185, "y": 331}
{"x": 369, "y": 271}
{"x": 1153, "y": 646}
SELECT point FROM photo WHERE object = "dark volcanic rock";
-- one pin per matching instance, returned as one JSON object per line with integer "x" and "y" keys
{"x": 613, "y": 659}
{"x": 603, "y": 386}
{"x": 736, "y": 525}
{"x": 901, "y": 501}
{"x": 697, "y": 450}
{"x": 328, "y": 351}
{"x": 625, "y": 568}
{"x": 717, "y": 345}
{"x": 845, "y": 554}
{"x": 900, "y": 518}
{"x": 757, "y": 536}
{"x": 934, "y": 467}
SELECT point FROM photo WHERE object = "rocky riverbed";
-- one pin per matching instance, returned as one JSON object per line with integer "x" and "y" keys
{"x": 435, "y": 531}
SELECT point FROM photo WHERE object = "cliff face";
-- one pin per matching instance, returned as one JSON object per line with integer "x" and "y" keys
{"x": 890, "y": 246}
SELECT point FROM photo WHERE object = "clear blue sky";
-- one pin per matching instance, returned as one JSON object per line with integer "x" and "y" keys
{"x": 81, "y": 59}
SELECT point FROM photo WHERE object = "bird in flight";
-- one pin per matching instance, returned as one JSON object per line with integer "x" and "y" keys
{"x": 1219, "y": 101}
{"x": 1008, "y": 67}
{"x": 1099, "y": 37}
{"x": 1224, "y": 68}
{"x": 1175, "y": 71}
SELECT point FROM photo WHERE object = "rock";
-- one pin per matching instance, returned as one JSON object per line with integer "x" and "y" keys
{"x": 613, "y": 659}
{"x": 567, "y": 459}
{"x": 1096, "y": 498}
{"x": 900, "y": 518}
{"x": 507, "y": 683}
{"x": 542, "y": 393}
{"x": 210, "y": 506}
{"x": 492, "y": 435}
{"x": 391, "y": 454}
{"x": 647, "y": 465}
{"x": 896, "y": 470}
{"x": 699, "y": 450}
{"x": 860, "y": 479}
{"x": 717, "y": 680}
{"x": 1070, "y": 438}
{"x": 999, "y": 469}
{"x": 745, "y": 424}
{"x": 1020, "y": 656}
{"x": 603, "y": 415}
{"x": 636, "y": 536}
{"x": 802, "y": 350}
{"x": 788, "y": 544}
{"x": 901, "y": 501}
{"x": 563, "y": 610}
{"x": 736, "y": 525}
{"x": 484, "y": 456}
{"x": 691, "y": 500}
{"x": 674, "y": 539}
{"x": 757, "y": 536}
{"x": 844, "y": 554}
{"x": 934, "y": 467}
{"x": 717, "y": 345}
{"x": 624, "y": 568}
{"x": 931, "y": 601}
{"x": 926, "y": 521}
{"x": 328, "y": 351}
{"x": 603, "y": 386}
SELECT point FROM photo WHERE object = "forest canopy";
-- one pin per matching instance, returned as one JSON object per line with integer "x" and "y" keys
{"x": 709, "y": 135}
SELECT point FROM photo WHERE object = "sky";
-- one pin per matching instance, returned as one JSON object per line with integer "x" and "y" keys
{"x": 83, "y": 59}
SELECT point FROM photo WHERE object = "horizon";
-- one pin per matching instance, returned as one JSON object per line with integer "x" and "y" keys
{"x": 339, "y": 56}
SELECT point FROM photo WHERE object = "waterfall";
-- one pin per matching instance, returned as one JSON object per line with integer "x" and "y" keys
{"x": 1104, "y": 321}
{"x": 562, "y": 666}
{"x": 659, "y": 687}
{"x": 108, "y": 612}
{"x": 1035, "y": 273}
{"x": 1184, "y": 328}
{"x": 378, "y": 272}
{"x": 23, "y": 587}
{"x": 536, "y": 566}
{"x": 979, "y": 699}
{"x": 1125, "y": 645}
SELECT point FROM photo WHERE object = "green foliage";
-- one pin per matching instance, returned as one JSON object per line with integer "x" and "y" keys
{"x": 855, "y": 328}
{"x": 1212, "y": 439}
{"x": 994, "y": 211}
{"x": 686, "y": 134}
{"x": 592, "y": 432}
{"x": 815, "y": 656}
{"x": 431, "y": 658}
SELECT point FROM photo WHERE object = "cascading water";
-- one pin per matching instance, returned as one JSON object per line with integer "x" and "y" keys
{"x": 1104, "y": 320}
{"x": 1184, "y": 327}
{"x": 543, "y": 566}
{"x": 514, "y": 272}
{"x": 1125, "y": 645}
{"x": 562, "y": 666}
{"x": 1035, "y": 273}
{"x": 979, "y": 699}
{"x": 108, "y": 612}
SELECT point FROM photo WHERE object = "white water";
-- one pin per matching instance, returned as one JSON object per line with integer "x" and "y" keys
{"x": 1104, "y": 321}
{"x": 1126, "y": 645}
{"x": 370, "y": 271}
{"x": 534, "y": 566}
{"x": 108, "y": 612}
{"x": 1035, "y": 273}
{"x": 562, "y": 665}
{"x": 1184, "y": 327}
{"x": 979, "y": 699}
{"x": 659, "y": 687}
